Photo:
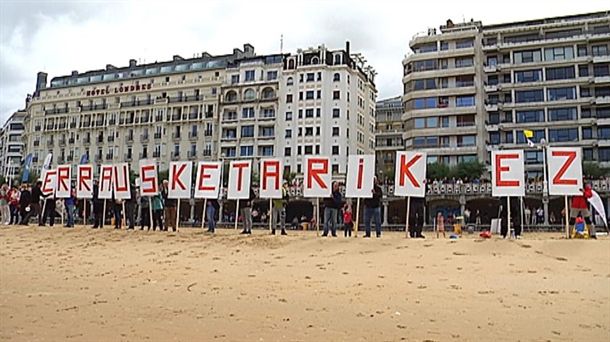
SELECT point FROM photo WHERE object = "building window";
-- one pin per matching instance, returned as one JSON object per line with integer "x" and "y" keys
{"x": 562, "y": 73}
{"x": 288, "y": 98}
{"x": 311, "y": 77}
{"x": 335, "y": 131}
{"x": 587, "y": 154}
{"x": 538, "y": 134}
{"x": 336, "y": 77}
{"x": 287, "y": 151}
{"x": 335, "y": 168}
{"x": 583, "y": 70}
{"x": 464, "y": 81}
{"x": 249, "y": 94}
{"x": 444, "y": 46}
{"x": 527, "y": 56}
{"x": 466, "y": 140}
{"x": 536, "y": 95}
{"x": 266, "y": 151}
{"x": 599, "y": 50}
{"x": 494, "y": 138}
{"x": 335, "y": 150}
{"x": 463, "y": 62}
{"x": 288, "y": 133}
{"x": 231, "y": 96}
{"x": 271, "y": 75}
{"x": 533, "y": 157}
{"x": 336, "y": 113}
{"x": 587, "y": 132}
{"x": 268, "y": 93}
{"x": 336, "y": 95}
{"x": 309, "y": 113}
{"x": 526, "y": 116}
{"x": 319, "y": 94}
{"x": 528, "y": 76}
{"x": 604, "y": 154}
{"x": 464, "y": 101}
{"x": 289, "y": 81}
{"x": 423, "y": 84}
{"x": 309, "y": 95}
{"x": 246, "y": 151}
{"x": 247, "y": 113}
{"x": 429, "y": 64}
{"x": 308, "y": 149}
{"x": 425, "y": 102}
{"x": 249, "y": 75}
{"x": 563, "y": 135}
{"x": 558, "y": 53}
{"x": 464, "y": 43}
{"x": 558, "y": 94}
{"x": 288, "y": 116}
{"x": 247, "y": 131}
{"x": 234, "y": 79}
{"x": 562, "y": 114}
{"x": 603, "y": 132}
{"x": 601, "y": 70}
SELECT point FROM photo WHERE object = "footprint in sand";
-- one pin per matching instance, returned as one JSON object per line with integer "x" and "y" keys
{"x": 561, "y": 259}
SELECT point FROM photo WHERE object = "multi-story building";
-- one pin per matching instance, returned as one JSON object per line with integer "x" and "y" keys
{"x": 389, "y": 134}
{"x": 473, "y": 88}
{"x": 12, "y": 146}
{"x": 166, "y": 110}
{"x": 230, "y": 106}
{"x": 248, "y": 108}
{"x": 327, "y": 107}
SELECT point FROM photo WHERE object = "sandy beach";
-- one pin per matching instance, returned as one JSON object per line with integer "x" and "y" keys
{"x": 106, "y": 285}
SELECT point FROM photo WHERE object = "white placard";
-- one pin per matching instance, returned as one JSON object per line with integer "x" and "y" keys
{"x": 507, "y": 173}
{"x": 565, "y": 170}
{"x": 410, "y": 174}
{"x": 84, "y": 181}
{"x": 149, "y": 184}
{"x": 271, "y": 171}
{"x": 105, "y": 182}
{"x": 63, "y": 184}
{"x": 208, "y": 180}
{"x": 48, "y": 181}
{"x": 120, "y": 181}
{"x": 240, "y": 172}
{"x": 318, "y": 177}
{"x": 360, "y": 175}
{"x": 180, "y": 179}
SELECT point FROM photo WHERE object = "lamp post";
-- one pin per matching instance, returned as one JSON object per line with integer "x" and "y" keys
{"x": 545, "y": 189}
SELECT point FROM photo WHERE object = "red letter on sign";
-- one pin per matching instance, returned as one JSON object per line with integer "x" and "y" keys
{"x": 500, "y": 169}
{"x": 557, "y": 179}
{"x": 84, "y": 177}
{"x": 203, "y": 176}
{"x": 47, "y": 181}
{"x": 150, "y": 179}
{"x": 62, "y": 176}
{"x": 360, "y": 171}
{"x": 176, "y": 177}
{"x": 267, "y": 164}
{"x": 122, "y": 185}
{"x": 240, "y": 169}
{"x": 405, "y": 170}
{"x": 315, "y": 173}
{"x": 106, "y": 176}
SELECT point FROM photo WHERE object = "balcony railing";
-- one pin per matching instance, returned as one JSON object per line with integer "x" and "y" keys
{"x": 192, "y": 154}
{"x": 157, "y": 136}
{"x": 144, "y": 137}
{"x": 71, "y": 141}
{"x": 176, "y": 136}
{"x": 156, "y": 154}
{"x": 192, "y": 135}
{"x": 127, "y": 157}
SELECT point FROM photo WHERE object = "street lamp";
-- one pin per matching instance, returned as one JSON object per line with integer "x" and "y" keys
{"x": 543, "y": 146}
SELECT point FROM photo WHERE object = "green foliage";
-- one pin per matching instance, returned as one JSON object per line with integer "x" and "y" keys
{"x": 163, "y": 175}
{"x": 289, "y": 176}
{"x": 468, "y": 170}
{"x": 592, "y": 170}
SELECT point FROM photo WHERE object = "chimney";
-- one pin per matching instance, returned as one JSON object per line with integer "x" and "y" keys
{"x": 449, "y": 23}
{"x": 74, "y": 73}
{"x": 41, "y": 80}
{"x": 132, "y": 63}
{"x": 347, "y": 47}
{"x": 249, "y": 49}
{"x": 237, "y": 53}
{"x": 110, "y": 67}
{"x": 177, "y": 58}
{"x": 205, "y": 55}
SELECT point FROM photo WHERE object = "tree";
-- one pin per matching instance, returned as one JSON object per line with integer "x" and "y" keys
{"x": 437, "y": 171}
{"x": 592, "y": 170}
{"x": 289, "y": 176}
{"x": 470, "y": 170}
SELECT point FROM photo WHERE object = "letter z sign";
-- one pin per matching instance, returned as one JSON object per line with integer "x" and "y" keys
{"x": 507, "y": 173}
{"x": 410, "y": 174}
{"x": 565, "y": 170}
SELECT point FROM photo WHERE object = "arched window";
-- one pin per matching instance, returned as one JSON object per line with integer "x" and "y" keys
{"x": 336, "y": 77}
{"x": 268, "y": 93}
{"x": 291, "y": 64}
{"x": 337, "y": 59}
{"x": 289, "y": 81}
{"x": 249, "y": 94}
{"x": 231, "y": 96}
{"x": 315, "y": 60}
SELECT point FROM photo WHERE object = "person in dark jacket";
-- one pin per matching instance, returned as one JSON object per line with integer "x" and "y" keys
{"x": 24, "y": 203}
{"x": 372, "y": 210}
{"x": 98, "y": 207}
{"x": 34, "y": 205}
{"x": 246, "y": 212}
{"x": 70, "y": 203}
{"x": 332, "y": 205}
{"x": 130, "y": 208}
{"x": 212, "y": 208}
{"x": 170, "y": 206}
{"x": 49, "y": 211}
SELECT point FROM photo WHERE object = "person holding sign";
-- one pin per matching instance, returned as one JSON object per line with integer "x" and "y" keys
{"x": 170, "y": 207}
{"x": 246, "y": 212}
{"x": 372, "y": 210}
{"x": 34, "y": 205}
{"x": 98, "y": 206}
{"x": 70, "y": 205}
{"x": 49, "y": 210}
{"x": 332, "y": 205}
{"x": 279, "y": 211}
{"x": 580, "y": 207}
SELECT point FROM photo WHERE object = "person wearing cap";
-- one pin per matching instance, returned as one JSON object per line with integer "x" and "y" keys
{"x": 170, "y": 206}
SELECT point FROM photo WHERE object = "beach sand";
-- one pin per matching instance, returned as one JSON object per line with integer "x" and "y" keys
{"x": 106, "y": 285}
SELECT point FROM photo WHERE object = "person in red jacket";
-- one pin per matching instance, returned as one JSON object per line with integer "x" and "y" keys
{"x": 580, "y": 205}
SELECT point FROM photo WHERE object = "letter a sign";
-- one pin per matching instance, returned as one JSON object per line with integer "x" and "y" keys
{"x": 318, "y": 177}
{"x": 565, "y": 170}
{"x": 410, "y": 174}
{"x": 507, "y": 173}
{"x": 271, "y": 178}
{"x": 360, "y": 173}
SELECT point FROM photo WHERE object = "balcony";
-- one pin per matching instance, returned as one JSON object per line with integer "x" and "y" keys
{"x": 176, "y": 136}
{"x": 71, "y": 141}
{"x": 229, "y": 137}
{"x": 56, "y": 111}
{"x": 192, "y": 155}
{"x": 175, "y": 156}
{"x": 490, "y": 68}
{"x": 72, "y": 124}
{"x": 128, "y": 157}
{"x": 62, "y": 125}
{"x": 157, "y": 136}
{"x": 156, "y": 154}
{"x": 207, "y": 133}
{"x": 191, "y": 98}
{"x": 109, "y": 156}
{"x": 99, "y": 123}
{"x": 62, "y": 142}
{"x": 193, "y": 116}
{"x": 129, "y": 138}
{"x": 176, "y": 99}
{"x": 602, "y": 100}
{"x": 143, "y": 155}
{"x": 87, "y": 140}
{"x": 158, "y": 118}
{"x": 144, "y": 138}
{"x": 144, "y": 119}
{"x": 111, "y": 139}
{"x": 229, "y": 117}
{"x": 69, "y": 158}
{"x": 86, "y": 124}
{"x": 93, "y": 107}
{"x": 98, "y": 157}
{"x": 50, "y": 143}
{"x": 100, "y": 139}
{"x": 193, "y": 135}
{"x": 176, "y": 117}
{"x": 49, "y": 127}
{"x": 207, "y": 153}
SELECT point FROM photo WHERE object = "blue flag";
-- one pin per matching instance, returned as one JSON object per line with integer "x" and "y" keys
{"x": 84, "y": 159}
{"x": 26, "y": 168}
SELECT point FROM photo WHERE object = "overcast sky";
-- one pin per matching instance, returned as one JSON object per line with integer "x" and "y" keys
{"x": 60, "y": 36}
